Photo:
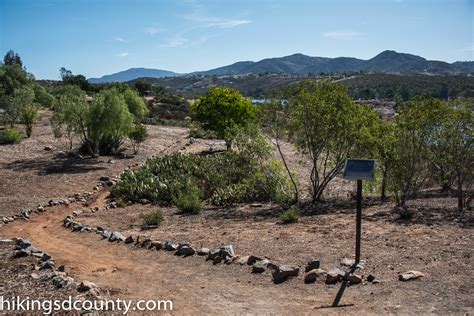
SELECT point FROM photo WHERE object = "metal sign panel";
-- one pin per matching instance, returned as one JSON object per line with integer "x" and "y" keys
{"x": 359, "y": 169}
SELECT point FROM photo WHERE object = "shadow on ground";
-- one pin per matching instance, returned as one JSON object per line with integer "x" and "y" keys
{"x": 55, "y": 165}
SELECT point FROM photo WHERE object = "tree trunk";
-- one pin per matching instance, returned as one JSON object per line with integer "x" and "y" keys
{"x": 460, "y": 193}
{"x": 296, "y": 196}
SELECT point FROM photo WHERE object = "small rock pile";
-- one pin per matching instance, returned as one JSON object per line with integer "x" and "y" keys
{"x": 46, "y": 270}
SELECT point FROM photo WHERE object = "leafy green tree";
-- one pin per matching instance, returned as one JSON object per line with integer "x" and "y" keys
{"x": 135, "y": 103}
{"x": 13, "y": 77}
{"x": 10, "y": 111}
{"x": 24, "y": 103}
{"x": 138, "y": 135}
{"x": 109, "y": 120}
{"x": 142, "y": 86}
{"x": 275, "y": 124}
{"x": 459, "y": 132}
{"x": 12, "y": 58}
{"x": 385, "y": 142}
{"x": 71, "y": 114}
{"x": 69, "y": 78}
{"x": 65, "y": 74}
{"x": 409, "y": 158}
{"x": 328, "y": 126}
{"x": 223, "y": 110}
{"x": 452, "y": 147}
{"x": 43, "y": 97}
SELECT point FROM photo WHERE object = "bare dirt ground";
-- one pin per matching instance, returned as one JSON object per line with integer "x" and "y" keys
{"x": 437, "y": 243}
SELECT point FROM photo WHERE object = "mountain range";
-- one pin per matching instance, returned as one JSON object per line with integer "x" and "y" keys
{"x": 388, "y": 61}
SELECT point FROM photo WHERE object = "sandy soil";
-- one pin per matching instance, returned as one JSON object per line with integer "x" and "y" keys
{"x": 437, "y": 243}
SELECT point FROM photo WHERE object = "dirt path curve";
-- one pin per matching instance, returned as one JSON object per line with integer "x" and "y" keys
{"x": 194, "y": 286}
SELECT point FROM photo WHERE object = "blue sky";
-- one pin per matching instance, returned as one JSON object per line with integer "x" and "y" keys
{"x": 98, "y": 37}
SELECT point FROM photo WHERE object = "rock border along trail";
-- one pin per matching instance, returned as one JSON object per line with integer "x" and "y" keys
{"x": 133, "y": 273}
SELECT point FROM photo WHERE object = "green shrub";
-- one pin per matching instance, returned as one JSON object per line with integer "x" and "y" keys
{"x": 291, "y": 215}
{"x": 153, "y": 218}
{"x": 187, "y": 199}
{"x": 236, "y": 176}
{"x": 138, "y": 135}
{"x": 198, "y": 132}
{"x": 222, "y": 109}
{"x": 10, "y": 136}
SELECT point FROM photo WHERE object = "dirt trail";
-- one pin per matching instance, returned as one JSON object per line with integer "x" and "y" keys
{"x": 195, "y": 287}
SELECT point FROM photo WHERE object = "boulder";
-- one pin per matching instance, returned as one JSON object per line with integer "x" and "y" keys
{"x": 410, "y": 275}
{"x": 185, "y": 251}
{"x": 40, "y": 209}
{"x": 227, "y": 251}
{"x": 230, "y": 260}
{"x": 214, "y": 254}
{"x": 48, "y": 148}
{"x": 203, "y": 252}
{"x": 46, "y": 257}
{"x": 25, "y": 213}
{"x": 259, "y": 266}
{"x": 155, "y": 245}
{"x": 60, "y": 281}
{"x": 353, "y": 279}
{"x": 284, "y": 272}
{"x": 312, "y": 265}
{"x": 116, "y": 236}
{"x": 21, "y": 253}
{"x": 105, "y": 234}
{"x": 243, "y": 260}
{"x": 46, "y": 265}
{"x": 145, "y": 243}
{"x": 129, "y": 240}
{"x": 169, "y": 246}
{"x": 104, "y": 178}
{"x": 76, "y": 226}
{"x": 252, "y": 259}
{"x": 334, "y": 275}
{"x": 312, "y": 275}
{"x": 351, "y": 262}
{"x": 23, "y": 243}
{"x": 77, "y": 212}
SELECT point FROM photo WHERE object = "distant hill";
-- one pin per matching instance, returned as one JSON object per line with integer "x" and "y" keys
{"x": 360, "y": 86}
{"x": 388, "y": 62}
{"x": 133, "y": 73}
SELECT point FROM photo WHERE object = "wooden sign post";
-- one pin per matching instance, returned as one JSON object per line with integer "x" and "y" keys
{"x": 359, "y": 169}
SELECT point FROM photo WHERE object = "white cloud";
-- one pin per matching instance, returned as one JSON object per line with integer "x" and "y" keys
{"x": 342, "y": 35}
{"x": 120, "y": 39}
{"x": 153, "y": 30}
{"x": 177, "y": 41}
{"x": 218, "y": 22}
{"x": 180, "y": 41}
{"x": 123, "y": 54}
